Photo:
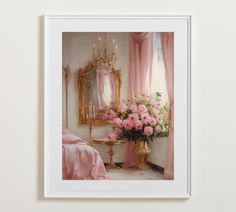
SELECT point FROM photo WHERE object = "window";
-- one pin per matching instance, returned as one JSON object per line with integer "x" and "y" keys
{"x": 158, "y": 82}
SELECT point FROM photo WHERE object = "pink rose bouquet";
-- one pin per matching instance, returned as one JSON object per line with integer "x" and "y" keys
{"x": 142, "y": 119}
{"x": 105, "y": 114}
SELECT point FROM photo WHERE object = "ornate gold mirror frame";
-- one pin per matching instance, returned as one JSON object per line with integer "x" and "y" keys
{"x": 83, "y": 78}
{"x": 67, "y": 77}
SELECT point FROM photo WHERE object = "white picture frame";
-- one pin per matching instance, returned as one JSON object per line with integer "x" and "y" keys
{"x": 54, "y": 186}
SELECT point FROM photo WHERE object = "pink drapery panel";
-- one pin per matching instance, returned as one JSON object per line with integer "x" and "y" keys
{"x": 140, "y": 69}
{"x": 167, "y": 42}
{"x": 140, "y": 64}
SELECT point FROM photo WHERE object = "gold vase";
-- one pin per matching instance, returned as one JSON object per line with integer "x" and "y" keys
{"x": 142, "y": 151}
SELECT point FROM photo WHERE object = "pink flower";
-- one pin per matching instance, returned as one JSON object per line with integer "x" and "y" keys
{"x": 104, "y": 116}
{"x": 142, "y": 109}
{"x": 133, "y": 117}
{"x": 157, "y": 104}
{"x": 133, "y": 108}
{"x": 153, "y": 111}
{"x": 128, "y": 125}
{"x": 118, "y": 132}
{"x": 99, "y": 108}
{"x": 145, "y": 118}
{"x": 122, "y": 107}
{"x": 146, "y": 98}
{"x": 158, "y": 129}
{"x": 152, "y": 121}
{"x": 117, "y": 122}
{"x": 159, "y": 119}
{"x": 111, "y": 136}
{"x": 112, "y": 115}
{"x": 148, "y": 131}
{"x": 138, "y": 125}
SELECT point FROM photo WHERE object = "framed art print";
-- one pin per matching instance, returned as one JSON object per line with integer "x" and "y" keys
{"x": 117, "y": 106}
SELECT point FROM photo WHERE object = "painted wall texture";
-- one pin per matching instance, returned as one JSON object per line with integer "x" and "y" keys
{"x": 213, "y": 105}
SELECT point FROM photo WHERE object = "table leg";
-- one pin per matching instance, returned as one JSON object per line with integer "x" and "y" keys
{"x": 111, "y": 164}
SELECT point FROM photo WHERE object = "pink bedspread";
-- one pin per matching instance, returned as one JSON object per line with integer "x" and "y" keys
{"x": 81, "y": 161}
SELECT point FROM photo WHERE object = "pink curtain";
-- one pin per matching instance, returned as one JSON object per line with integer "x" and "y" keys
{"x": 167, "y": 42}
{"x": 140, "y": 64}
{"x": 140, "y": 69}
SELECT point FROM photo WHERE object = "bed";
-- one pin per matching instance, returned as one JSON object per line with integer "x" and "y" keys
{"x": 80, "y": 161}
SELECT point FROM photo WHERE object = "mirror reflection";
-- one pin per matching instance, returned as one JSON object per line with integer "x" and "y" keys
{"x": 98, "y": 88}
{"x": 99, "y": 82}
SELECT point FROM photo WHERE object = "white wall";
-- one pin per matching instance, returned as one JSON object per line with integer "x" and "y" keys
{"x": 213, "y": 105}
{"x": 77, "y": 51}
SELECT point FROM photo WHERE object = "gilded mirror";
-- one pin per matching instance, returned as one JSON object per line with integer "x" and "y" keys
{"x": 99, "y": 86}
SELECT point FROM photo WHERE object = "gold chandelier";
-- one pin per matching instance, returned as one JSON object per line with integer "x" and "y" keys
{"x": 104, "y": 52}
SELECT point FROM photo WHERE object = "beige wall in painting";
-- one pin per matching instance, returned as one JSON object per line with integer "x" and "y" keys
{"x": 213, "y": 105}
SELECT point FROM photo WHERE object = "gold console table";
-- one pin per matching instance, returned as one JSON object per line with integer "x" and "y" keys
{"x": 110, "y": 144}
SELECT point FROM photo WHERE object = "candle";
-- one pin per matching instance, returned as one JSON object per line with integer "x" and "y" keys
{"x": 93, "y": 49}
{"x": 94, "y": 112}
{"x": 113, "y": 44}
{"x": 99, "y": 45}
{"x": 116, "y": 52}
{"x": 86, "y": 112}
{"x": 90, "y": 110}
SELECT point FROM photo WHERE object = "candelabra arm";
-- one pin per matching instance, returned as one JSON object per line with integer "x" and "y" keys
{"x": 90, "y": 131}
